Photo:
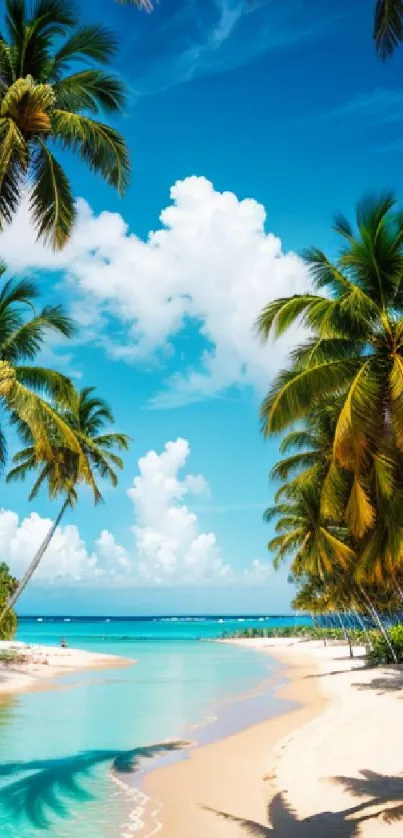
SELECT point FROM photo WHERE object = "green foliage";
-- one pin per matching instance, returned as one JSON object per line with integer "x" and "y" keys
{"x": 86, "y": 418}
{"x": 10, "y": 656}
{"x": 8, "y": 626}
{"x": 300, "y": 632}
{"x": 29, "y": 393}
{"x": 339, "y": 509}
{"x": 379, "y": 651}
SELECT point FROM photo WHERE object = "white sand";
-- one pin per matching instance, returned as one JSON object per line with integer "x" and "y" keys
{"x": 44, "y": 662}
{"x": 360, "y": 731}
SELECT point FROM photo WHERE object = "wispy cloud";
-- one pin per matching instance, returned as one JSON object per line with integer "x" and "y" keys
{"x": 216, "y": 36}
{"x": 380, "y": 105}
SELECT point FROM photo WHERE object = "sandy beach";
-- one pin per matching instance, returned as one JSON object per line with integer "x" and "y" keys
{"x": 330, "y": 767}
{"x": 42, "y": 663}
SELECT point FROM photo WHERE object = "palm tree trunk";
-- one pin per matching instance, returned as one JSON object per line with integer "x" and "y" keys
{"x": 379, "y": 623}
{"x": 359, "y": 619}
{"x": 346, "y": 634}
{"x": 35, "y": 562}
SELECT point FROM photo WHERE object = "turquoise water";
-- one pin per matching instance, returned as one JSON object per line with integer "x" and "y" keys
{"x": 58, "y": 746}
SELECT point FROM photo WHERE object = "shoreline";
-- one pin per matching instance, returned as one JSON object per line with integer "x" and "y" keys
{"x": 333, "y": 761}
{"x": 232, "y": 774}
{"x": 43, "y": 663}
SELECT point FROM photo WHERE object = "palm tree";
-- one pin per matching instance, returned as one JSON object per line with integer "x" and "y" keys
{"x": 388, "y": 26}
{"x": 355, "y": 354}
{"x": 311, "y": 445}
{"x": 60, "y": 472}
{"x": 48, "y": 88}
{"x": 24, "y": 386}
{"x": 316, "y": 546}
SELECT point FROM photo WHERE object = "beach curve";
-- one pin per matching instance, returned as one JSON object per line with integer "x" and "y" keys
{"x": 329, "y": 766}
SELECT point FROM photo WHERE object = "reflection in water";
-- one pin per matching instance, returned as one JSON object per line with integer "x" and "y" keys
{"x": 49, "y": 787}
{"x": 8, "y": 709}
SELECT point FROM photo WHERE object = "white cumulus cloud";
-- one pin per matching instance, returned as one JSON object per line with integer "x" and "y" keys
{"x": 168, "y": 543}
{"x": 211, "y": 264}
{"x": 67, "y": 556}
{"x": 168, "y": 546}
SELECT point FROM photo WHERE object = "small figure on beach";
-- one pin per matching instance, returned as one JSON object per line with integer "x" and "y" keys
{"x": 63, "y": 643}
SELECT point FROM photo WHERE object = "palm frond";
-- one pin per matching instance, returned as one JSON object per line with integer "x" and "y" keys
{"x": 27, "y": 339}
{"x": 280, "y": 314}
{"x": 20, "y": 472}
{"x": 51, "y": 200}
{"x": 48, "y": 382}
{"x": 111, "y": 440}
{"x": 143, "y": 5}
{"x": 22, "y": 292}
{"x": 96, "y": 42}
{"x": 3, "y": 449}
{"x": 297, "y": 440}
{"x": 90, "y": 90}
{"x": 396, "y": 390}
{"x": 45, "y": 427}
{"x": 357, "y": 425}
{"x": 388, "y": 26}
{"x": 7, "y": 64}
{"x": 318, "y": 350}
{"x": 360, "y": 513}
{"x": 296, "y": 463}
{"x": 13, "y": 167}
{"x": 295, "y": 392}
{"x": 32, "y": 37}
{"x": 101, "y": 147}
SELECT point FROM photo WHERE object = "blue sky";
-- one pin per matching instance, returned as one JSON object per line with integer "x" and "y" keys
{"x": 285, "y": 104}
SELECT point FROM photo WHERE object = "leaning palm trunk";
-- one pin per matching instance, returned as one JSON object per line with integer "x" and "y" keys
{"x": 362, "y": 625}
{"x": 35, "y": 562}
{"x": 379, "y": 623}
{"x": 359, "y": 620}
{"x": 345, "y": 633}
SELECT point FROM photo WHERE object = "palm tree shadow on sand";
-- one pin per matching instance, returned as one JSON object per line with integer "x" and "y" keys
{"x": 49, "y": 787}
{"x": 345, "y": 824}
{"x": 382, "y": 789}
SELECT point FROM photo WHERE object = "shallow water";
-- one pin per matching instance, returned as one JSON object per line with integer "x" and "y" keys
{"x": 57, "y": 747}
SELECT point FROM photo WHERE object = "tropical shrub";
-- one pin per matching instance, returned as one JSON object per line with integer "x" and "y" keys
{"x": 379, "y": 650}
{"x": 8, "y": 585}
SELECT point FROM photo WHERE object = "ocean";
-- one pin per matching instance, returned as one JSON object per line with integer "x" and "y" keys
{"x": 69, "y": 754}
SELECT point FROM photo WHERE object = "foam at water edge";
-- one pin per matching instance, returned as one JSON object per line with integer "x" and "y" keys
{"x": 142, "y": 802}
